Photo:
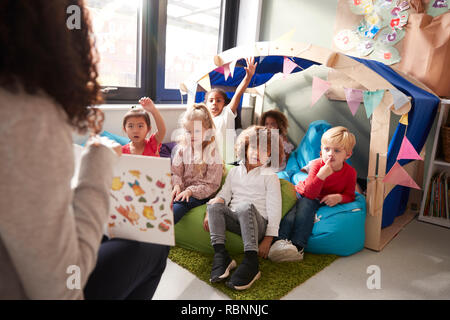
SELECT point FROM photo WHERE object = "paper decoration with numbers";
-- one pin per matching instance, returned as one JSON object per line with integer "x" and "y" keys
{"x": 398, "y": 176}
{"x": 407, "y": 151}
{"x": 371, "y": 100}
{"x": 319, "y": 87}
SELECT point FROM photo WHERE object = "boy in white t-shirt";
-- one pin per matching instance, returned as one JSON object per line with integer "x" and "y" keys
{"x": 224, "y": 111}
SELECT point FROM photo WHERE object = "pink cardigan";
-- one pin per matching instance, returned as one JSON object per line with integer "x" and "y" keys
{"x": 204, "y": 177}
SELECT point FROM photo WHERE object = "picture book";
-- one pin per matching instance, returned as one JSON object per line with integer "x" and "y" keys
{"x": 140, "y": 199}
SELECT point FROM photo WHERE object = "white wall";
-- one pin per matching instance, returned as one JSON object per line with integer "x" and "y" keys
{"x": 170, "y": 113}
{"x": 312, "y": 20}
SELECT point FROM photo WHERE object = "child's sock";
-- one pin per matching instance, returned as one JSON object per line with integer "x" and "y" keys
{"x": 220, "y": 247}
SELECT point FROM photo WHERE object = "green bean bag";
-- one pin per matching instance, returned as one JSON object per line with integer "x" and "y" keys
{"x": 189, "y": 232}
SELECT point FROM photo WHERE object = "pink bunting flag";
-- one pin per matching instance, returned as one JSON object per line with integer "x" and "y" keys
{"x": 319, "y": 87}
{"x": 288, "y": 66}
{"x": 398, "y": 176}
{"x": 407, "y": 151}
{"x": 354, "y": 98}
{"x": 220, "y": 70}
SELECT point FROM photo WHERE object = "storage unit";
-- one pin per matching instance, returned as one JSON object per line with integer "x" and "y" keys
{"x": 436, "y": 165}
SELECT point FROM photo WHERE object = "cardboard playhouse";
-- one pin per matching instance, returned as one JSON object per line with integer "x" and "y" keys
{"x": 393, "y": 180}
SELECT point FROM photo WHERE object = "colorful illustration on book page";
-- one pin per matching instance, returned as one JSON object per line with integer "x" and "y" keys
{"x": 140, "y": 197}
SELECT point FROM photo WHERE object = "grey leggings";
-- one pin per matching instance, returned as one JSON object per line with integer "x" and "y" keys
{"x": 245, "y": 220}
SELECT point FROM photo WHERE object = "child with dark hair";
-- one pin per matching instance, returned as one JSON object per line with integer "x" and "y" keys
{"x": 224, "y": 110}
{"x": 248, "y": 204}
{"x": 274, "y": 119}
{"x": 137, "y": 125}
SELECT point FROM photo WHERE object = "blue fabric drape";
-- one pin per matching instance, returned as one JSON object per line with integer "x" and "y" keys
{"x": 420, "y": 120}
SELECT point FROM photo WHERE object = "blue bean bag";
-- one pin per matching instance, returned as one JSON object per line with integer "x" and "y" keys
{"x": 340, "y": 229}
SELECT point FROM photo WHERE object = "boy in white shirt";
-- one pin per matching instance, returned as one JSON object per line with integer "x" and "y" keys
{"x": 224, "y": 111}
{"x": 248, "y": 204}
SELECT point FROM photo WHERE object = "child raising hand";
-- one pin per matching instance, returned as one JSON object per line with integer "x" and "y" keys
{"x": 137, "y": 125}
{"x": 224, "y": 111}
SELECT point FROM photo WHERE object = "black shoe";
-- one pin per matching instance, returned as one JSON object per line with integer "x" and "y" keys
{"x": 246, "y": 274}
{"x": 221, "y": 266}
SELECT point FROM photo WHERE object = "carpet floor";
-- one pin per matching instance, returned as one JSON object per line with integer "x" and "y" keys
{"x": 277, "y": 279}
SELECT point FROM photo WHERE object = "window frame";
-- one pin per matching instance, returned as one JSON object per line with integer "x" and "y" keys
{"x": 152, "y": 72}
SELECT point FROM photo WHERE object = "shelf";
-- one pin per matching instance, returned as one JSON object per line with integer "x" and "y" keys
{"x": 436, "y": 165}
{"x": 435, "y": 220}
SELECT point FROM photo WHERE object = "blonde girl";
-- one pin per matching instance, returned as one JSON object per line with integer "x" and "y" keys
{"x": 197, "y": 166}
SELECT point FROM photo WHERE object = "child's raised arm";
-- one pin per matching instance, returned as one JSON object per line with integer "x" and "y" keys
{"x": 150, "y": 107}
{"x": 249, "y": 72}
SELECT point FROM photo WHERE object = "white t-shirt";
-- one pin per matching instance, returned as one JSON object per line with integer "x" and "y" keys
{"x": 225, "y": 121}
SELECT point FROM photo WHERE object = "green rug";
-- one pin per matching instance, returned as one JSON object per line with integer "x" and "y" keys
{"x": 277, "y": 279}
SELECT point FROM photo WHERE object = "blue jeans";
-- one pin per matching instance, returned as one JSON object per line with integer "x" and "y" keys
{"x": 126, "y": 269}
{"x": 180, "y": 208}
{"x": 298, "y": 223}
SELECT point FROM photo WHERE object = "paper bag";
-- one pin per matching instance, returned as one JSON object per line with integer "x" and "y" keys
{"x": 426, "y": 51}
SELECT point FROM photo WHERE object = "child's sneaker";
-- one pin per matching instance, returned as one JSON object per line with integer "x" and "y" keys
{"x": 284, "y": 250}
{"x": 221, "y": 266}
{"x": 246, "y": 274}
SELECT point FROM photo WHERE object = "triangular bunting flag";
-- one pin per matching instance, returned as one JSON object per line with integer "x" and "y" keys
{"x": 399, "y": 98}
{"x": 205, "y": 82}
{"x": 371, "y": 100}
{"x": 398, "y": 176}
{"x": 407, "y": 151}
{"x": 192, "y": 91}
{"x": 354, "y": 98}
{"x": 220, "y": 70}
{"x": 288, "y": 66}
{"x": 226, "y": 71}
{"x": 319, "y": 87}
{"x": 404, "y": 119}
{"x": 232, "y": 65}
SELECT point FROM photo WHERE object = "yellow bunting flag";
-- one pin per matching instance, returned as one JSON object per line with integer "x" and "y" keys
{"x": 404, "y": 119}
{"x": 205, "y": 83}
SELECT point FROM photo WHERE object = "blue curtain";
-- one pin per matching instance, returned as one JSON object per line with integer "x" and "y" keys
{"x": 420, "y": 120}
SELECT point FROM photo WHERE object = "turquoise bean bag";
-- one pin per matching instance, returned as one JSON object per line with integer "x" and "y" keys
{"x": 340, "y": 229}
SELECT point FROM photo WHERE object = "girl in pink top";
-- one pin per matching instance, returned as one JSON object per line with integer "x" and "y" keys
{"x": 137, "y": 125}
{"x": 197, "y": 164}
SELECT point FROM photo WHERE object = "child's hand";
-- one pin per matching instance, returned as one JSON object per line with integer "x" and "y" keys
{"x": 264, "y": 247}
{"x": 147, "y": 104}
{"x": 332, "y": 199}
{"x": 176, "y": 190}
{"x": 325, "y": 171}
{"x": 216, "y": 200}
{"x": 184, "y": 196}
{"x": 111, "y": 144}
{"x": 251, "y": 67}
{"x": 206, "y": 223}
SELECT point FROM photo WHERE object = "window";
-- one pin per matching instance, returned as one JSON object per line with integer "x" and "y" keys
{"x": 147, "y": 47}
{"x": 117, "y": 26}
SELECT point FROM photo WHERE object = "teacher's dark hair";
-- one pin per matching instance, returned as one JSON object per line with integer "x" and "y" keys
{"x": 39, "y": 52}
